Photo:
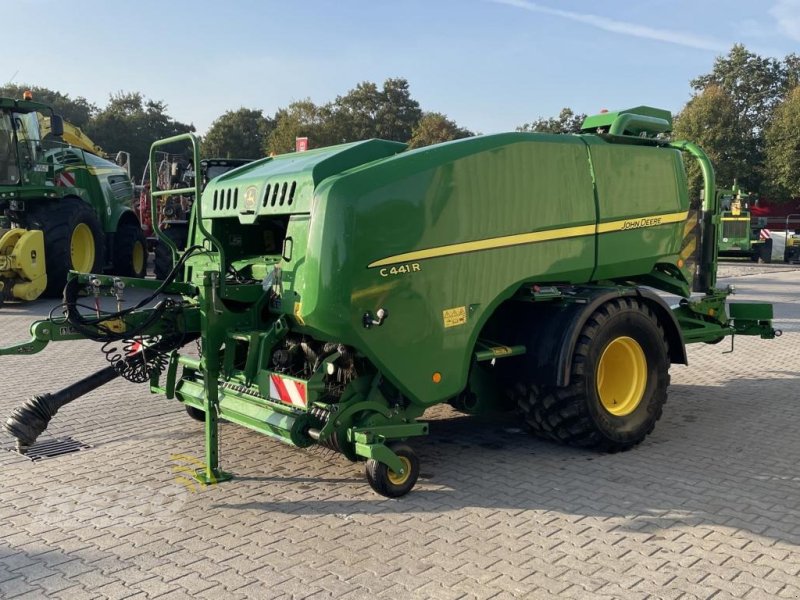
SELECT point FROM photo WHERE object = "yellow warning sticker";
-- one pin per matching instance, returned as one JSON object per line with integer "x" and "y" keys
{"x": 115, "y": 325}
{"x": 453, "y": 317}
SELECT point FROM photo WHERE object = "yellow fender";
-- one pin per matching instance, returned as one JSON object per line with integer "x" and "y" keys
{"x": 22, "y": 265}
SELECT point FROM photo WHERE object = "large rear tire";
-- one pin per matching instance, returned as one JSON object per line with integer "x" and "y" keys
{"x": 130, "y": 251}
{"x": 73, "y": 240}
{"x": 618, "y": 387}
{"x": 163, "y": 255}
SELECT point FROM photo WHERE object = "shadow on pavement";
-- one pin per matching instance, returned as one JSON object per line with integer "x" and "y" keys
{"x": 704, "y": 465}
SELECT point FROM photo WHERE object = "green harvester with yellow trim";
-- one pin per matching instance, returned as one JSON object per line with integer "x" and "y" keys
{"x": 62, "y": 206}
{"x": 338, "y": 293}
{"x": 737, "y": 236}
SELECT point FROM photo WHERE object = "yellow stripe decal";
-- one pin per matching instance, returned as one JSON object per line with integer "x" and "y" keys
{"x": 532, "y": 238}
{"x": 640, "y": 222}
{"x": 103, "y": 170}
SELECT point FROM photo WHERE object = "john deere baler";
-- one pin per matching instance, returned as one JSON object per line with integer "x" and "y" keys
{"x": 340, "y": 292}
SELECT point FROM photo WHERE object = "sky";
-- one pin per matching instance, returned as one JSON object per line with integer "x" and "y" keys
{"x": 491, "y": 65}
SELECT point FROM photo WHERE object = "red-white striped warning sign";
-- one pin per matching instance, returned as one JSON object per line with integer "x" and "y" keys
{"x": 288, "y": 391}
{"x": 765, "y": 234}
{"x": 65, "y": 179}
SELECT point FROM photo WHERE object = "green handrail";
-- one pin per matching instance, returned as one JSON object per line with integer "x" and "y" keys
{"x": 196, "y": 217}
{"x": 710, "y": 215}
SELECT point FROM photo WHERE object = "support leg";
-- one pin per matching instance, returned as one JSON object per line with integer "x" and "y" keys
{"x": 211, "y": 345}
{"x": 211, "y": 473}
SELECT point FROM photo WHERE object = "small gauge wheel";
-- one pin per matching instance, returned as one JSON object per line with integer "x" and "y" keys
{"x": 388, "y": 483}
{"x": 196, "y": 413}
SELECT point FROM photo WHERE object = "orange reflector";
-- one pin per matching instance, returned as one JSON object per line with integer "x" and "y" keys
{"x": 680, "y": 263}
{"x": 437, "y": 377}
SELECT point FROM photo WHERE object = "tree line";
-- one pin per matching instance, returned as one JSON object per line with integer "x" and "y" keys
{"x": 745, "y": 114}
{"x": 132, "y": 122}
{"x": 366, "y": 111}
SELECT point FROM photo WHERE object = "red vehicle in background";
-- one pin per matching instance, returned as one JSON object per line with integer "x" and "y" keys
{"x": 172, "y": 212}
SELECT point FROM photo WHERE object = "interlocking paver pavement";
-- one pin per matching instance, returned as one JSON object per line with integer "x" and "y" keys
{"x": 706, "y": 507}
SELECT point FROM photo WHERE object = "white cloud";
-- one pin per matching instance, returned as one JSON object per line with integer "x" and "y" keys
{"x": 679, "y": 38}
{"x": 787, "y": 15}
{"x": 753, "y": 28}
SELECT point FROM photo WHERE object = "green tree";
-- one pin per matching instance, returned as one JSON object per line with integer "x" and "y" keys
{"x": 362, "y": 113}
{"x": 711, "y": 120}
{"x": 302, "y": 118}
{"x": 354, "y": 116}
{"x": 132, "y": 123}
{"x": 367, "y": 112}
{"x": 434, "y": 128}
{"x": 755, "y": 83}
{"x": 756, "y": 86}
{"x": 792, "y": 64}
{"x": 238, "y": 133}
{"x": 783, "y": 148}
{"x": 398, "y": 112}
{"x": 566, "y": 122}
{"x": 77, "y": 111}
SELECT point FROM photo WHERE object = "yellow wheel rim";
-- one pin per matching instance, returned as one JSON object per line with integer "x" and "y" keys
{"x": 621, "y": 376}
{"x": 396, "y": 478}
{"x": 81, "y": 248}
{"x": 138, "y": 257}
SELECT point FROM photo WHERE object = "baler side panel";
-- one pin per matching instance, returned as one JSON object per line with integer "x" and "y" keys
{"x": 471, "y": 192}
{"x": 642, "y": 205}
{"x": 293, "y": 265}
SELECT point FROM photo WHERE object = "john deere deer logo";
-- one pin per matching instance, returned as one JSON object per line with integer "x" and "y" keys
{"x": 250, "y": 198}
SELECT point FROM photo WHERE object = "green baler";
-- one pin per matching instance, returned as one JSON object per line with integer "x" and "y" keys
{"x": 338, "y": 293}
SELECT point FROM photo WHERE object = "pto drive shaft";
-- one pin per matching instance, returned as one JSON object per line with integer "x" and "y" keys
{"x": 28, "y": 421}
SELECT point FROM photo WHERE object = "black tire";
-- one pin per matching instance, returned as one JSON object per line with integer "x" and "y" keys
{"x": 58, "y": 223}
{"x": 130, "y": 251}
{"x": 196, "y": 413}
{"x": 765, "y": 252}
{"x": 163, "y": 255}
{"x": 575, "y": 415}
{"x": 385, "y": 482}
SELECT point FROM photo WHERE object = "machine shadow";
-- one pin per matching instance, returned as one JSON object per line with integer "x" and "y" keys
{"x": 491, "y": 463}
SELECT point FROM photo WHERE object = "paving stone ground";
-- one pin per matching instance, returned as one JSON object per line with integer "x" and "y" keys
{"x": 706, "y": 507}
